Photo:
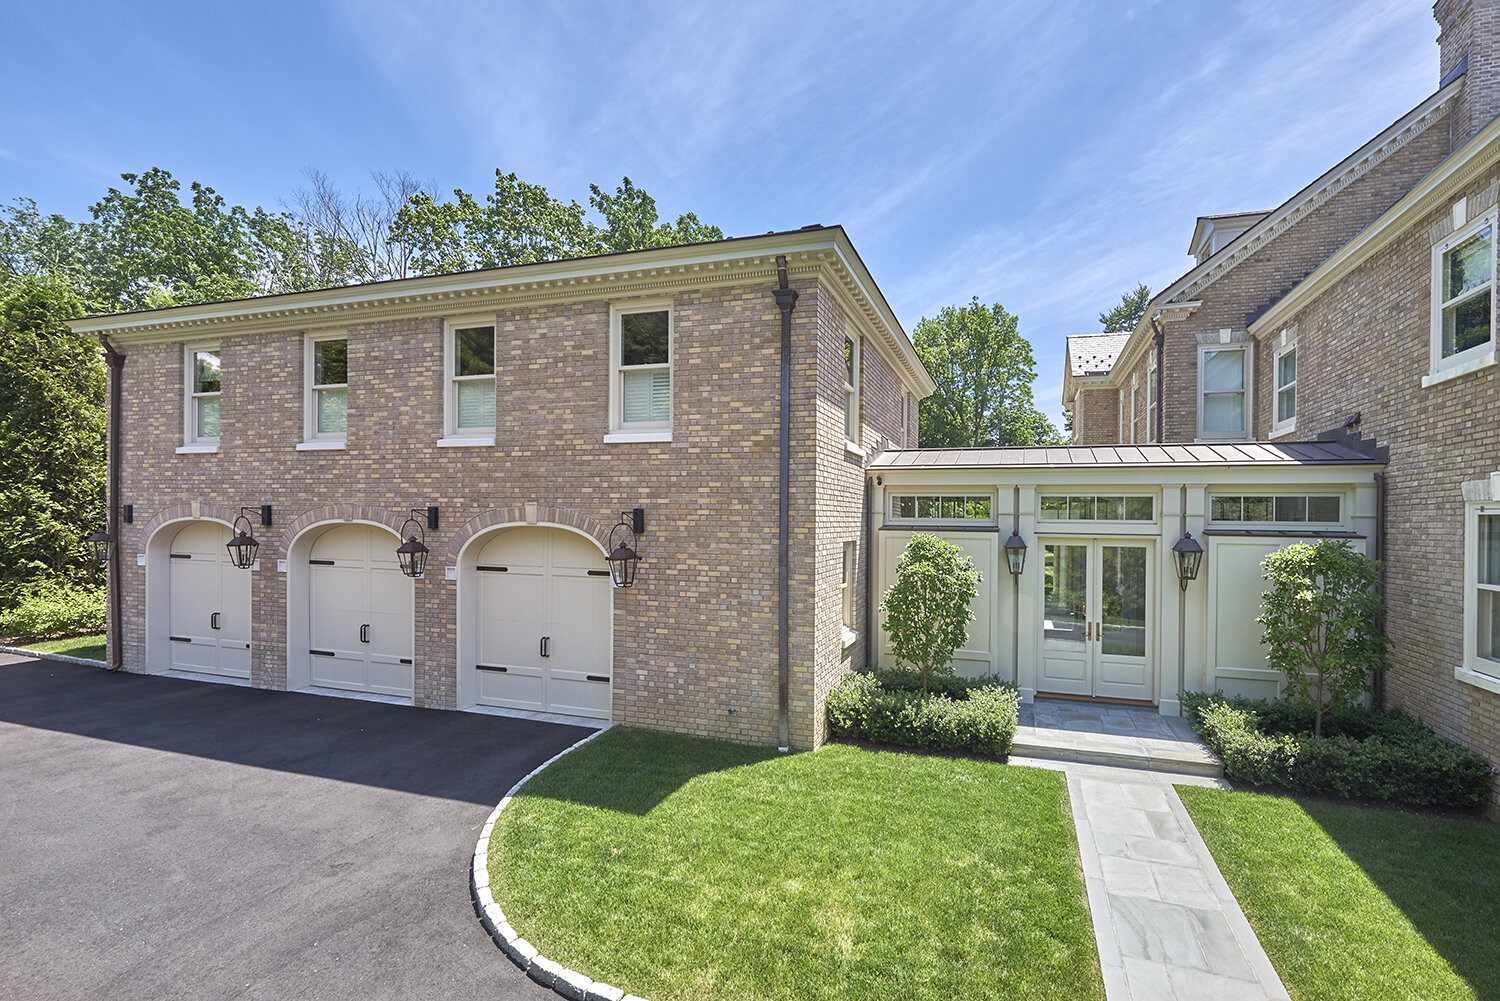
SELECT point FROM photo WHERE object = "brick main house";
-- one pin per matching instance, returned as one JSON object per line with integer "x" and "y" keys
{"x": 1361, "y": 313}
{"x": 530, "y": 407}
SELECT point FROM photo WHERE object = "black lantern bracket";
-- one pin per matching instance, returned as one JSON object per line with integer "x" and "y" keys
{"x": 412, "y": 553}
{"x": 242, "y": 544}
{"x": 624, "y": 541}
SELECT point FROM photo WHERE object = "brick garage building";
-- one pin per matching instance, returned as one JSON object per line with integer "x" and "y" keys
{"x": 530, "y": 406}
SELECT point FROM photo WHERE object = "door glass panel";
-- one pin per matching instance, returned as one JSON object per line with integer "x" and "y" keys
{"x": 1066, "y": 577}
{"x": 1123, "y": 616}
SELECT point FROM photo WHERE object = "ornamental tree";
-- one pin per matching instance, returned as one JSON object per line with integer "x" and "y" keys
{"x": 1321, "y": 622}
{"x": 926, "y": 612}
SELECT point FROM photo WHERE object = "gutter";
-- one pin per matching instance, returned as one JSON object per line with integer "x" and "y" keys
{"x": 116, "y": 362}
{"x": 786, "y": 300}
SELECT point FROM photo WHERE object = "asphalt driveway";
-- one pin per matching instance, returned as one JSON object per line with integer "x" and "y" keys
{"x": 175, "y": 839}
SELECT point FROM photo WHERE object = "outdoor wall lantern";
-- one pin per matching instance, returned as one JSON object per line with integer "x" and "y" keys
{"x": 1015, "y": 553}
{"x": 623, "y": 558}
{"x": 242, "y": 547}
{"x": 412, "y": 554}
{"x": 1189, "y": 557}
{"x": 100, "y": 541}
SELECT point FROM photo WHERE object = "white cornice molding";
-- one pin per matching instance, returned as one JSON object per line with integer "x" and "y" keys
{"x": 1167, "y": 312}
{"x": 1473, "y": 158}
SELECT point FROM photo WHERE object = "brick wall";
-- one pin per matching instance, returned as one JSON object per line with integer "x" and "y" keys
{"x": 1472, "y": 28}
{"x": 1096, "y": 415}
{"x": 695, "y": 640}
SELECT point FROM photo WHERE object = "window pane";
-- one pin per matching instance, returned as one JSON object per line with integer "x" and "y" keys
{"x": 849, "y": 361}
{"x": 1123, "y": 617}
{"x": 1487, "y": 621}
{"x": 1080, "y": 508}
{"x": 1260, "y": 508}
{"x": 1466, "y": 325}
{"x": 208, "y": 416}
{"x": 1223, "y": 413}
{"x": 333, "y": 411}
{"x": 849, "y": 428}
{"x": 1055, "y": 508}
{"x": 927, "y": 507}
{"x": 643, "y": 338}
{"x": 1109, "y": 508}
{"x": 953, "y": 507}
{"x": 1286, "y": 403}
{"x": 1324, "y": 509}
{"x": 1291, "y": 509}
{"x": 330, "y": 363}
{"x": 979, "y": 508}
{"x": 476, "y": 404}
{"x": 205, "y": 371}
{"x": 1065, "y": 597}
{"x": 1225, "y": 509}
{"x": 1489, "y": 549}
{"x": 1286, "y": 368}
{"x": 1140, "y": 508}
{"x": 906, "y": 506}
{"x": 647, "y": 396}
{"x": 474, "y": 351}
{"x": 1223, "y": 371}
{"x": 1467, "y": 266}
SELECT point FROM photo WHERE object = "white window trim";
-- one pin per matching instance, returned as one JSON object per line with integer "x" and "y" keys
{"x": 312, "y": 440}
{"x": 892, "y": 518}
{"x": 453, "y": 435}
{"x": 846, "y": 592}
{"x": 1072, "y": 492}
{"x": 1344, "y": 524}
{"x": 1481, "y": 355}
{"x": 191, "y": 443}
{"x": 1151, "y": 378}
{"x": 1475, "y": 670}
{"x": 1247, "y": 349}
{"x": 619, "y": 431}
{"x": 1135, "y": 384}
{"x": 1279, "y": 428}
{"x": 851, "y": 391}
{"x": 906, "y": 418}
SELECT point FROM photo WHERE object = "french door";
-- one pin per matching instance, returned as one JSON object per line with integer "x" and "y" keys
{"x": 1097, "y": 618}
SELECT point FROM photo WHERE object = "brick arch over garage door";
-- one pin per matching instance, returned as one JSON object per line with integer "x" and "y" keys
{"x": 512, "y": 516}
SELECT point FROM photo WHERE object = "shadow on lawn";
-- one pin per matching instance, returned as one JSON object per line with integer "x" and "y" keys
{"x": 1442, "y": 872}
{"x": 460, "y": 756}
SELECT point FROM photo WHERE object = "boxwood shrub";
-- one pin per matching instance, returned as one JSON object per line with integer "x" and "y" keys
{"x": 1381, "y": 754}
{"x": 957, "y": 714}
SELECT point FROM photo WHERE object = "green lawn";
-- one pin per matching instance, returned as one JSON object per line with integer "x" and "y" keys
{"x": 91, "y": 647}
{"x": 1360, "y": 903}
{"x": 677, "y": 868}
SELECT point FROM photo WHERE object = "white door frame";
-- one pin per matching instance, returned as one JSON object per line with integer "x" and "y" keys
{"x": 1093, "y": 656}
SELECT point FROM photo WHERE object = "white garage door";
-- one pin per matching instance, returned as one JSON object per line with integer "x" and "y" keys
{"x": 361, "y": 612}
{"x": 210, "y": 604}
{"x": 543, "y": 623}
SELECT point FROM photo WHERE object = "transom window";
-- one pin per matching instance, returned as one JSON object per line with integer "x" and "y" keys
{"x": 1466, "y": 295}
{"x": 471, "y": 380}
{"x": 642, "y": 358}
{"x": 1222, "y": 392}
{"x": 203, "y": 396}
{"x": 328, "y": 388}
{"x": 940, "y": 507}
{"x": 1277, "y": 509}
{"x": 1090, "y": 507}
{"x": 1286, "y": 389}
{"x": 851, "y": 391}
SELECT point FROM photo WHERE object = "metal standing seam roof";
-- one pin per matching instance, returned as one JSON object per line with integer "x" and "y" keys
{"x": 1095, "y": 354}
{"x": 1119, "y": 456}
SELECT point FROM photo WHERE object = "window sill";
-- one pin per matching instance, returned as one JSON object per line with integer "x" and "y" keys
{"x": 197, "y": 449}
{"x": 1478, "y": 679}
{"x": 1281, "y": 431}
{"x": 319, "y": 446}
{"x": 471, "y": 441}
{"x": 852, "y": 449}
{"x": 619, "y": 437}
{"x": 1458, "y": 371}
{"x": 850, "y": 637}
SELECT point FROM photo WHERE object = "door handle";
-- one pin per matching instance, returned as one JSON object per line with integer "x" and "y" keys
{"x": 546, "y": 644}
{"x": 364, "y": 633}
{"x": 213, "y": 620}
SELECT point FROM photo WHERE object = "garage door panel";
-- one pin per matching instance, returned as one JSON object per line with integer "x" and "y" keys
{"x": 521, "y": 549}
{"x": 338, "y": 670}
{"x": 205, "y": 591}
{"x": 194, "y": 654}
{"x": 195, "y": 596}
{"x": 578, "y": 693}
{"x": 360, "y": 609}
{"x": 390, "y": 675}
{"x": 512, "y": 618}
{"x": 517, "y": 687}
{"x": 390, "y": 614}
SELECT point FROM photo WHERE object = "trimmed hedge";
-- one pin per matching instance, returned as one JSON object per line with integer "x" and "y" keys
{"x": 888, "y": 707}
{"x": 1363, "y": 753}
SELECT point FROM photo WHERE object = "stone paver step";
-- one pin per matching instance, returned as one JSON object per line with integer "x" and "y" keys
{"x": 1181, "y": 756}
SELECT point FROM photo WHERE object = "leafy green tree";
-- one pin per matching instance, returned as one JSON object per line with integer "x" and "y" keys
{"x": 1129, "y": 312}
{"x": 33, "y": 245}
{"x": 926, "y": 611}
{"x": 1320, "y": 622}
{"x": 51, "y": 436}
{"x": 983, "y": 368}
{"x": 630, "y": 222}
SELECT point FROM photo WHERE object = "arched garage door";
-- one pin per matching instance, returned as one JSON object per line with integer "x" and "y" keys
{"x": 360, "y": 612}
{"x": 209, "y": 602}
{"x": 543, "y": 623}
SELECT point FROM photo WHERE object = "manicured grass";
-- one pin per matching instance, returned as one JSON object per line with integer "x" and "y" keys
{"x": 91, "y": 647}
{"x": 1360, "y": 903}
{"x": 678, "y": 868}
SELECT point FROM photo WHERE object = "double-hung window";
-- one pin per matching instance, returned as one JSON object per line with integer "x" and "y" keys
{"x": 1463, "y": 300}
{"x": 851, "y": 391}
{"x": 1482, "y": 598}
{"x": 1223, "y": 391}
{"x": 1285, "y": 363}
{"x": 202, "y": 398}
{"x": 1134, "y": 388}
{"x": 469, "y": 407}
{"x": 326, "y": 389}
{"x": 641, "y": 377}
{"x": 1151, "y": 400}
{"x": 846, "y": 590}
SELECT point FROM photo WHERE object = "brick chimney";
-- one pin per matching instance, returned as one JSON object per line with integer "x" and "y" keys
{"x": 1469, "y": 43}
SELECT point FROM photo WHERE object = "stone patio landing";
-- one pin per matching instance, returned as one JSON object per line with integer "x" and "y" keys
{"x": 1102, "y": 734}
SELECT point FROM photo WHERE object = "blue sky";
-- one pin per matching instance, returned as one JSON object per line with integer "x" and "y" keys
{"x": 1046, "y": 156}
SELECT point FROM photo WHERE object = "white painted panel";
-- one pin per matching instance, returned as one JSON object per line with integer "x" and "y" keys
{"x": 977, "y": 657}
{"x": 1237, "y": 658}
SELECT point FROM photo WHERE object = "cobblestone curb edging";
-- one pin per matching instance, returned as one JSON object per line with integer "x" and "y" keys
{"x": 20, "y": 651}
{"x": 569, "y": 983}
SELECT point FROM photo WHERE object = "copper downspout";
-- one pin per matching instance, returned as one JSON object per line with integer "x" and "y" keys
{"x": 869, "y": 567}
{"x": 786, "y": 299}
{"x": 1379, "y": 685}
{"x": 116, "y": 362}
{"x": 1158, "y": 339}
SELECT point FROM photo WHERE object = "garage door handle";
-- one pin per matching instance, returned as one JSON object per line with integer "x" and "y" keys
{"x": 213, "y": 620}
{"x": 321, "y": 653}
{"x": 364, "y": 633}
{"x": 596, "y": 677}
{"x": 546, "y": 642}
